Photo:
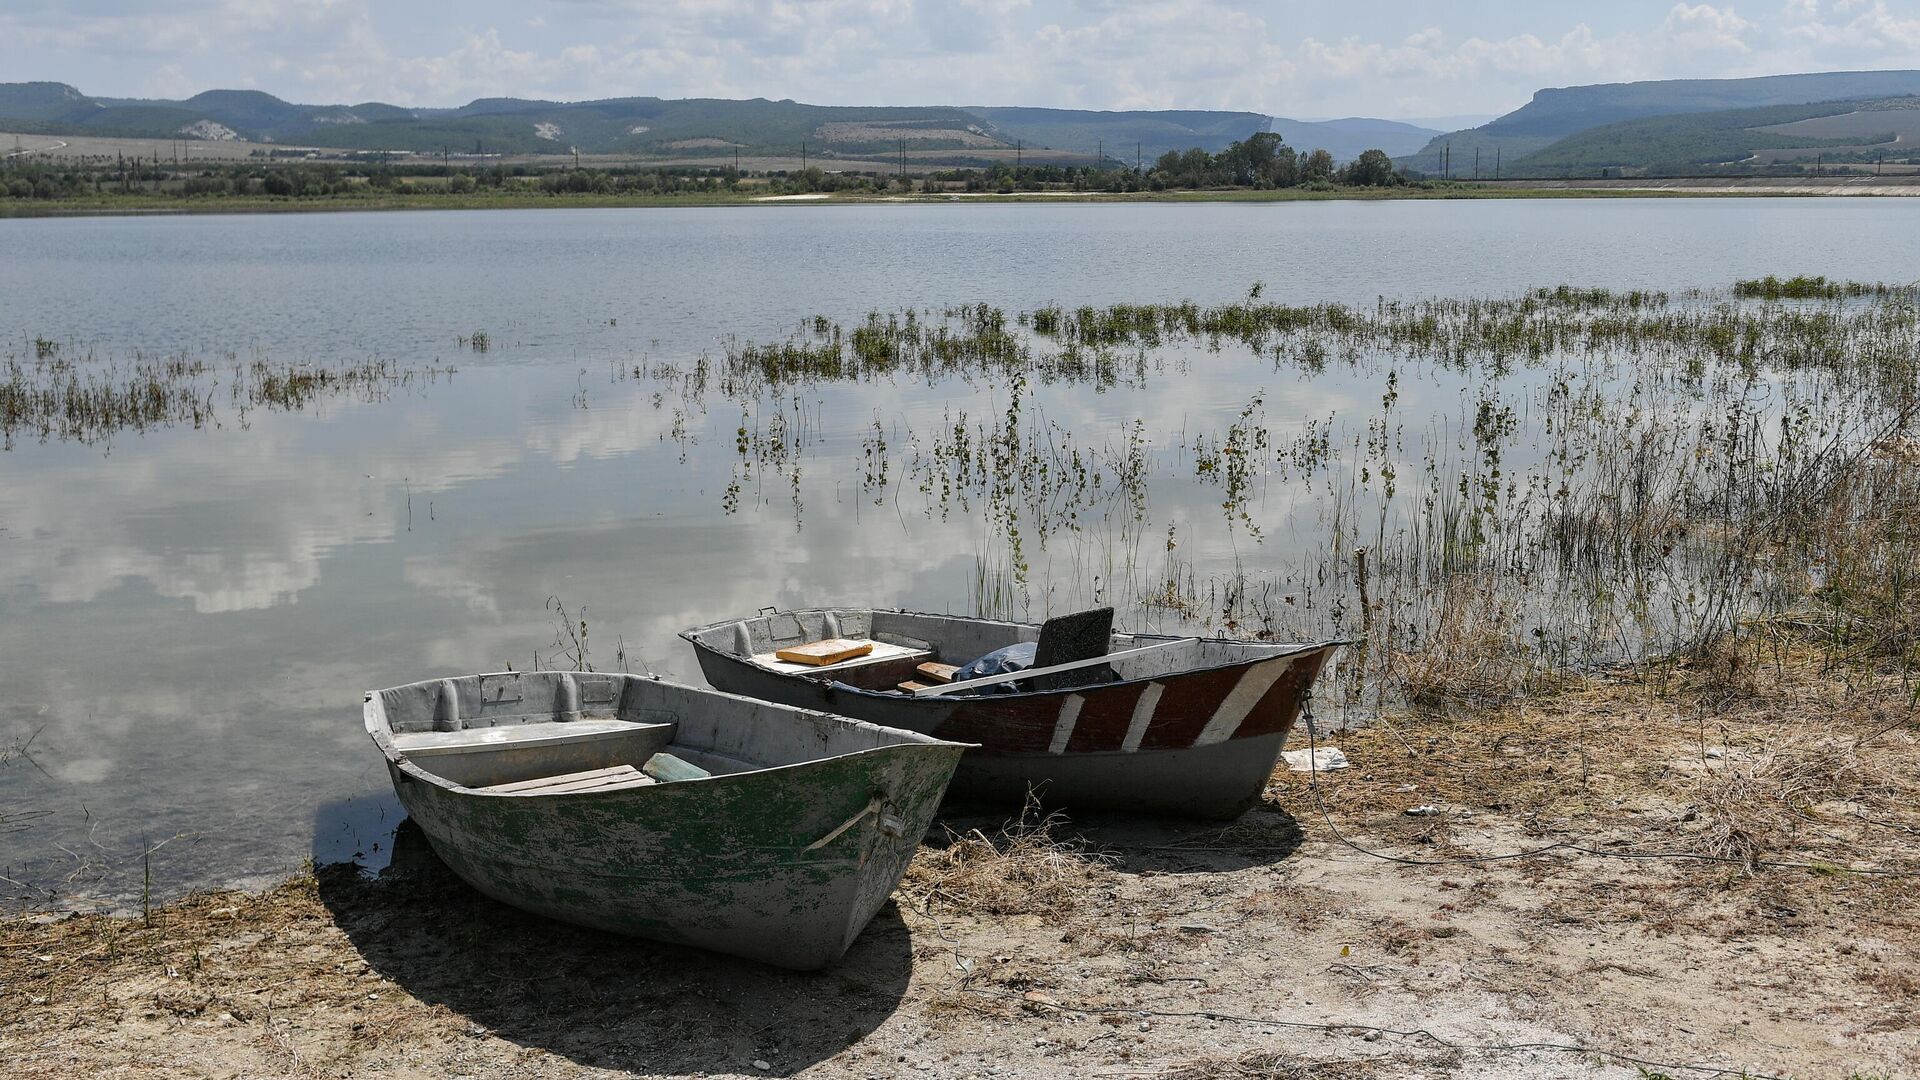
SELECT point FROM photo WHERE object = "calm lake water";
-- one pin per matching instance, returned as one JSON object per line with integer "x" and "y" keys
{"x": 188, "y": 617}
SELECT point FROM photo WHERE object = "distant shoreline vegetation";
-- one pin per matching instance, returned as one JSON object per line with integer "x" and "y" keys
{"x": 1260, "y": 168}
{"x": 1261, "y": 163}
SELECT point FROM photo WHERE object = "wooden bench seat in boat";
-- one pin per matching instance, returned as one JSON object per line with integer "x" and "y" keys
{"x": 661, "y": 768}
{"x": 503, "y": 736}
{"x": 612, "y": 778}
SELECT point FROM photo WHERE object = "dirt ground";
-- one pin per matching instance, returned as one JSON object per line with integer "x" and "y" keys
{"x": 1783, "y": 946}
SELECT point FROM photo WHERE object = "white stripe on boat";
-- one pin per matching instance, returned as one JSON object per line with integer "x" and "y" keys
{"x": 1063, "y": 729}
{"x": 1142, "y": 716}
{"x": 1253, "y": 685}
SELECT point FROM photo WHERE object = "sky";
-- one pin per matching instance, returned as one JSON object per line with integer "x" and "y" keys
{"x": 1405, "y": 59}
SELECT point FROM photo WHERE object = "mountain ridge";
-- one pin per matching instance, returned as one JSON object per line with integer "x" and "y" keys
{"x": 665, "y": 127}
{"x": 1556, "y": 113}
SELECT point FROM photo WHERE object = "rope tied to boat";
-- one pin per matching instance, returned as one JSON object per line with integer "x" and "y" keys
{"x": 873, "y": 807}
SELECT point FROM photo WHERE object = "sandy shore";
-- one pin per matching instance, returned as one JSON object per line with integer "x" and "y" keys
{"x": 1863, "y": 184}
{"x": 1272, "y": 947}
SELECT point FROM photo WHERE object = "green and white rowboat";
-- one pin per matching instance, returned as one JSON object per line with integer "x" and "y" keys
{"x": 643, "y": 807}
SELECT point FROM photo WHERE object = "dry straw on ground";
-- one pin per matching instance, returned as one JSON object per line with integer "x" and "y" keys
{"x": 1050, "y": 948}
{"x": 1026, "y": 867}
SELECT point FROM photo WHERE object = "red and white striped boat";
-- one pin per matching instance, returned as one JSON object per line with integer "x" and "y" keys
{"x": 1160, "y": 724}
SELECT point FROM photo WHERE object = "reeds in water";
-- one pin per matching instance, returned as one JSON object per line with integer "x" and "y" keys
{"x": 55, "y": 394}
{"x": 1631, "y": 475}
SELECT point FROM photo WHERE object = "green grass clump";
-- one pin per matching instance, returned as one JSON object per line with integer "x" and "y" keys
{"x": 1803, "y": 287}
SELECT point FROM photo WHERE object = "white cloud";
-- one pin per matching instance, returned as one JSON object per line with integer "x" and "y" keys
{"x": 1284, "y": 58}
{"x": 1855, "y": 28}
{"x": 1703, "y": 26}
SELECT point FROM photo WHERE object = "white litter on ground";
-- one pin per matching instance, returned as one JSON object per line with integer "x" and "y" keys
{"x": 1322, "y": 760}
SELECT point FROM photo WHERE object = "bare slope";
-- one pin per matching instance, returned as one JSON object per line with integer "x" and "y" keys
{"x": 1701, "y": 140}
{"x": 1559, "y": 112}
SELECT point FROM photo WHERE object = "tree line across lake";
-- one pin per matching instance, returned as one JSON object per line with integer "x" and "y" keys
{"x": 1261, "y": 162}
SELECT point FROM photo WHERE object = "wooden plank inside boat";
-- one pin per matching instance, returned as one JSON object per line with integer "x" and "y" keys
{"x": 822, "y": 653}
{"x": 937, "y": 673}
{"x": 881, "y": 652}
{"x": 608, "y": 779}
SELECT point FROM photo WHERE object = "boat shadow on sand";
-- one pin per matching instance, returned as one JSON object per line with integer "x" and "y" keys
{"x": 1264, "y": 836}
{"x": 601, "y": 999}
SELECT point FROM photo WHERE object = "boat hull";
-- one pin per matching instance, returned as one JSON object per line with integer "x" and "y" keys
{"x": 784, "y": 865}
{"x": 1199, "y": 743}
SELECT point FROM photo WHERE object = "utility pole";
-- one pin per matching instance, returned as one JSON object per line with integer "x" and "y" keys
{"x": 803, "y": 155}
{"x": 1496, "y": 163}
{"x": 1018, "y": 148}
{"x": 1476, "y": 163}
{"x": 1100, "y": 155}
{"x": 1136, "y": 157}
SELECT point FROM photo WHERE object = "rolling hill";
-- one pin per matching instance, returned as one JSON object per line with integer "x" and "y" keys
{"x": 1558, "y": 113}
{"x": 45, "y": 103}
{"x": 663, "y": 128}
{"x": 1693, "y": 140}
{"x": 640, "y": 125}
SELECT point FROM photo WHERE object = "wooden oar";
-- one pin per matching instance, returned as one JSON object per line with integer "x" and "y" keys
{"x": 1016, "y": 676}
